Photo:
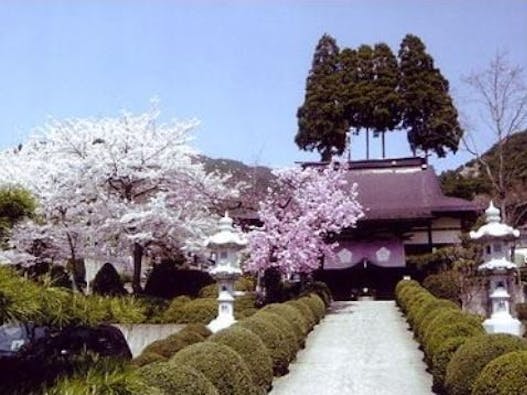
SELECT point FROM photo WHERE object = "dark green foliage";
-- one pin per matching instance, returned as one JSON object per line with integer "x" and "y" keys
{"x": 503, "y": 376}
{"x": 457, "y": 185}
{"x": 200, "y": 311}
{"x": 455, "y": 329}
{"x": 442, "y": 356}
{"x": 146, "y": 358}
{"x": 209, "y": 291}
{"x": 443, "y": 285}
{"x": 521, "y": 310}
{"x": 306, "y": 312}
{"x": 15, "y": 204}
{"x": 316, "y": 304}
{"x": 294, "y": 342}
{"x": 107, "y": 282}
{"x": 173, "y": 312}
{"x": 470, "y": 359}
{"x": 166, "y": 347}
{"x": 321, "y": 289}
{"x": 200, "y": 329}
{"x": 273, "y": 339}
{"x": 321, "y": 124}
{"x": 223, "y": 366}
{"x": 252, "y": 349}
{"x": 167, "y": 281}
{"x": 19, "y": 298}
{"x": 174, "y": 378}
{"x": 291, "y": 314}
{"x": 429, "y": 114}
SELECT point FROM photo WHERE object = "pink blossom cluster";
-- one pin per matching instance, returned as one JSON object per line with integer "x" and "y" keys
{"x": 299, "y": 216}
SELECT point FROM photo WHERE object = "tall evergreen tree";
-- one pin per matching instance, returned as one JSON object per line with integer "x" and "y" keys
{"x": 321, "y": 124}
{"x": 429, "y": 114}
{"x": 386, "y": 98}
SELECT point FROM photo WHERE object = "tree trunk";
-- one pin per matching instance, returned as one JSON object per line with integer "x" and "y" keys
{"x": 138, "y": 258}
{"x": 367, "y": 143}
{"x": 383, "y": 146}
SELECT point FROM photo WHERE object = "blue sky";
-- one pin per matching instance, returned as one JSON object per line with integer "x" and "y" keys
{"x": 239, "y": 67}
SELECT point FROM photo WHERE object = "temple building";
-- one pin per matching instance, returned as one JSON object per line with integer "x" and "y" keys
{"x": 406, "y": 213}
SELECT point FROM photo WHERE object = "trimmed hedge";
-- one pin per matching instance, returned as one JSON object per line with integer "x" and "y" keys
{"x": 273, "y": 339}
{"x": 285, "y": 328}
{"x": 165, "y": 347}
{"x": 306, "y": 312}
{"x": 470, "y": 359}
{"x": 223, "y": 366}
{"x": 442, "y": 357}
{"x": 316, "y": 304}
{"x": 253, "y": 351}
{"x": 146, "y": 358}
{"x": 201, "y": 311}
{"x": 293, "y": 315}
{"x": 175, "y": 378}
{"x": 443, "y": 285}
{"x": 200, "y": 329}
{"x": 442, "y": 333}
{"x": 503, "y": 376}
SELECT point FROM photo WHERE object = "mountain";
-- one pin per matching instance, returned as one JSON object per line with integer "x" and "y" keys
{"x": 471, "y": 181}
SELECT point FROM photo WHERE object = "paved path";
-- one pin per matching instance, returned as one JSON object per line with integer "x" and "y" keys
{"x": 360, "y": 348}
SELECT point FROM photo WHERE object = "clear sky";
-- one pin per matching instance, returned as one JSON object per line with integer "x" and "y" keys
{"x": 238, "y": 66}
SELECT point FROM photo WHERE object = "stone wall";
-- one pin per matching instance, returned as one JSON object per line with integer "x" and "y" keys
{"x": 138, "y": 336}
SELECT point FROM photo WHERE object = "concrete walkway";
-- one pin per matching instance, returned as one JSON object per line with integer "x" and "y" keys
{"x": 360, "y": 348}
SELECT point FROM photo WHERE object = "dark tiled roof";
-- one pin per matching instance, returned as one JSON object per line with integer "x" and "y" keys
{"x": 404, "y": 194}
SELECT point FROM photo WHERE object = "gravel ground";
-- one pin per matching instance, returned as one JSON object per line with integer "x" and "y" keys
{"x": 360, "y": 348}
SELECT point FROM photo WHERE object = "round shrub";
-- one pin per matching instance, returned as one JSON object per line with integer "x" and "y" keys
{"x": 294, "y": 316}
{"x": 446, "y": 317}
{"x": 306, "y": 312}
{"x": 188, "y": 337}
{"x": 428, "y": 316}
{"x": 107, "y": 282}
{"x": 504, "y": 375}
{"x": 173, "y": 378}
{"x": 455, "y": 329}
{"x": 428, "y": 307}
{"x": 320, "y": 289}
{"x": 166, "y": 347}
{"x": 146, "y": 358}
{"x": 223, "y": 366}
{"x": 244, "y": 302}
{"x": 273, "y": 339}
{"x": 200, "y": 329}
{"x": 245, "y": 283}
{"x": 173, "y": 312}
{"x": 317, "y": 305}
{"x": 209, "y": 291}
{"x": 470, "y": 359}
{"x": 442, "y": 357}
{"x": 253, "y": 351}
{"x": 246, "y": 313}
{"x": 286, "y": 329}
{"x": 200, "y": 311}
{"x": 167, "y": 281}
{"x": 443, "y": 285}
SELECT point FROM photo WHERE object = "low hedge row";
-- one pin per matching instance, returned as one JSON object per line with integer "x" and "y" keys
{"x": 241, "y": 359}
{"x": 462, "y": 358}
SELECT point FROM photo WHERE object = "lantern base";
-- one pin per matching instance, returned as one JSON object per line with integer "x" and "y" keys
{"x": 503, "y": 323}
{"x": 221, "y": 322}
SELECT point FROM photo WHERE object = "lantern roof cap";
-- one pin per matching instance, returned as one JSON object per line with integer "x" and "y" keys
{"x": 497, "y": 264}
{"x": 494, "y": 228}
{"x": 500, "y": 292}
{"x": 226, "y": 235}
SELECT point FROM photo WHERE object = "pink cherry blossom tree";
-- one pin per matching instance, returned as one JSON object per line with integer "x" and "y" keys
{"x": 115, "y": 185}
{"x": 299, "y": 216}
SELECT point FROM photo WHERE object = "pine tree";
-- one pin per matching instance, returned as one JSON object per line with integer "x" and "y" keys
{"x": 321, "y": 124}
{"x": 429, "y": 114}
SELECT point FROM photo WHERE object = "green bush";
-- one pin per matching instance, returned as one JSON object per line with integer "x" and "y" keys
{"x": 189, "y": 337}
{"x": 167, "y": 281}
{"x": 127, "y": 310}
{"x": 454, "y": 329}
{"x": 503, "y": 376}
{"x": 107, "y": 282}
{"x": 146, "y": 358}
{"x": 246, "y": 283}
{"x": 470, "y": 359}
{"x": 176, "y": 378}
{"x": 306, "y": 312}
{"x": 253, "y": 351}
{"x": 443, "y": 285}
{"x": 166, "y": 347}
{"x": 200, "y": 329}
{"x": 273, "y": 339}
{"x": 201, "y": 311}
{"x": 174, "y": 311}
{"x": 104, "y": 377}
{"x": 19, "y": 298}
{"x": 244, "y": 302}
{"x": 246, "y": 313}
{"x": 209, "y": 291}
{"x": 316, "y": 304}
{"x": 223, "y": 366}
{"x": 442, "y": 357}
{"x": 425, "y": 317}
{"x": 426, "y": 309}
{"x": 294, "y": 342}
{"x": 294, "y": 316}
{"x": 446, "y": 317}
{"x": 321, "y": 289}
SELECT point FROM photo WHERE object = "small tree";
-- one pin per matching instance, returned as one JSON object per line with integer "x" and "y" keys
{"x": 300, "y": 216}
{"x": 500, "y": 90}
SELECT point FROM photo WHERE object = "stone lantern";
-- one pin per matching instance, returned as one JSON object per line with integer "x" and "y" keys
{"x": 497, "y": 239}
{"x": 226, "y": 245}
